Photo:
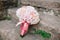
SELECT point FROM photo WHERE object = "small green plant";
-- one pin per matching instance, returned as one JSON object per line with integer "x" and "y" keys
{"x": 42, "y": 33}
{"x": 7, "y": 17}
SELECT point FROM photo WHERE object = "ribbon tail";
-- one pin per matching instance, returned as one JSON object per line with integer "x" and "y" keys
{"x": 18, "y": 23}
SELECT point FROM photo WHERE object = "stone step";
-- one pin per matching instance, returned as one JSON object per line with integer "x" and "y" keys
{"x": 49, "y": 23}
{"x": 8, "y": 30}
{"x": 50, "y": 4}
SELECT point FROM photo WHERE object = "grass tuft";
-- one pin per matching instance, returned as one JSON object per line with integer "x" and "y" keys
{"x": 42, "y": 33}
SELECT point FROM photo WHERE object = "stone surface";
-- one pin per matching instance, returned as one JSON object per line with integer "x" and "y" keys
{"x": 1, "y": 10}
{"x": 8, "y": 30}
{"x": 1, "y": 6}
{"x": 52, "y": 22}
{"x": 12, "y": 13}
{"x": 50, "y": 4}
{"x": 3, "y": 13}
{"x": 8, "y": 3}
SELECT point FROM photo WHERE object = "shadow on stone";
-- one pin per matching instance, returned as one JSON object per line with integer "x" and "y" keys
{"x": 1, "y": 38}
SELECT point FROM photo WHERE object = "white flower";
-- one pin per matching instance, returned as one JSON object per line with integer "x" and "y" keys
{"x": 28, "y": 13}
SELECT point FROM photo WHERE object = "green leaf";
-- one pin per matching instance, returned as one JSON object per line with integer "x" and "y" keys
{"x": 43, "y": 33}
